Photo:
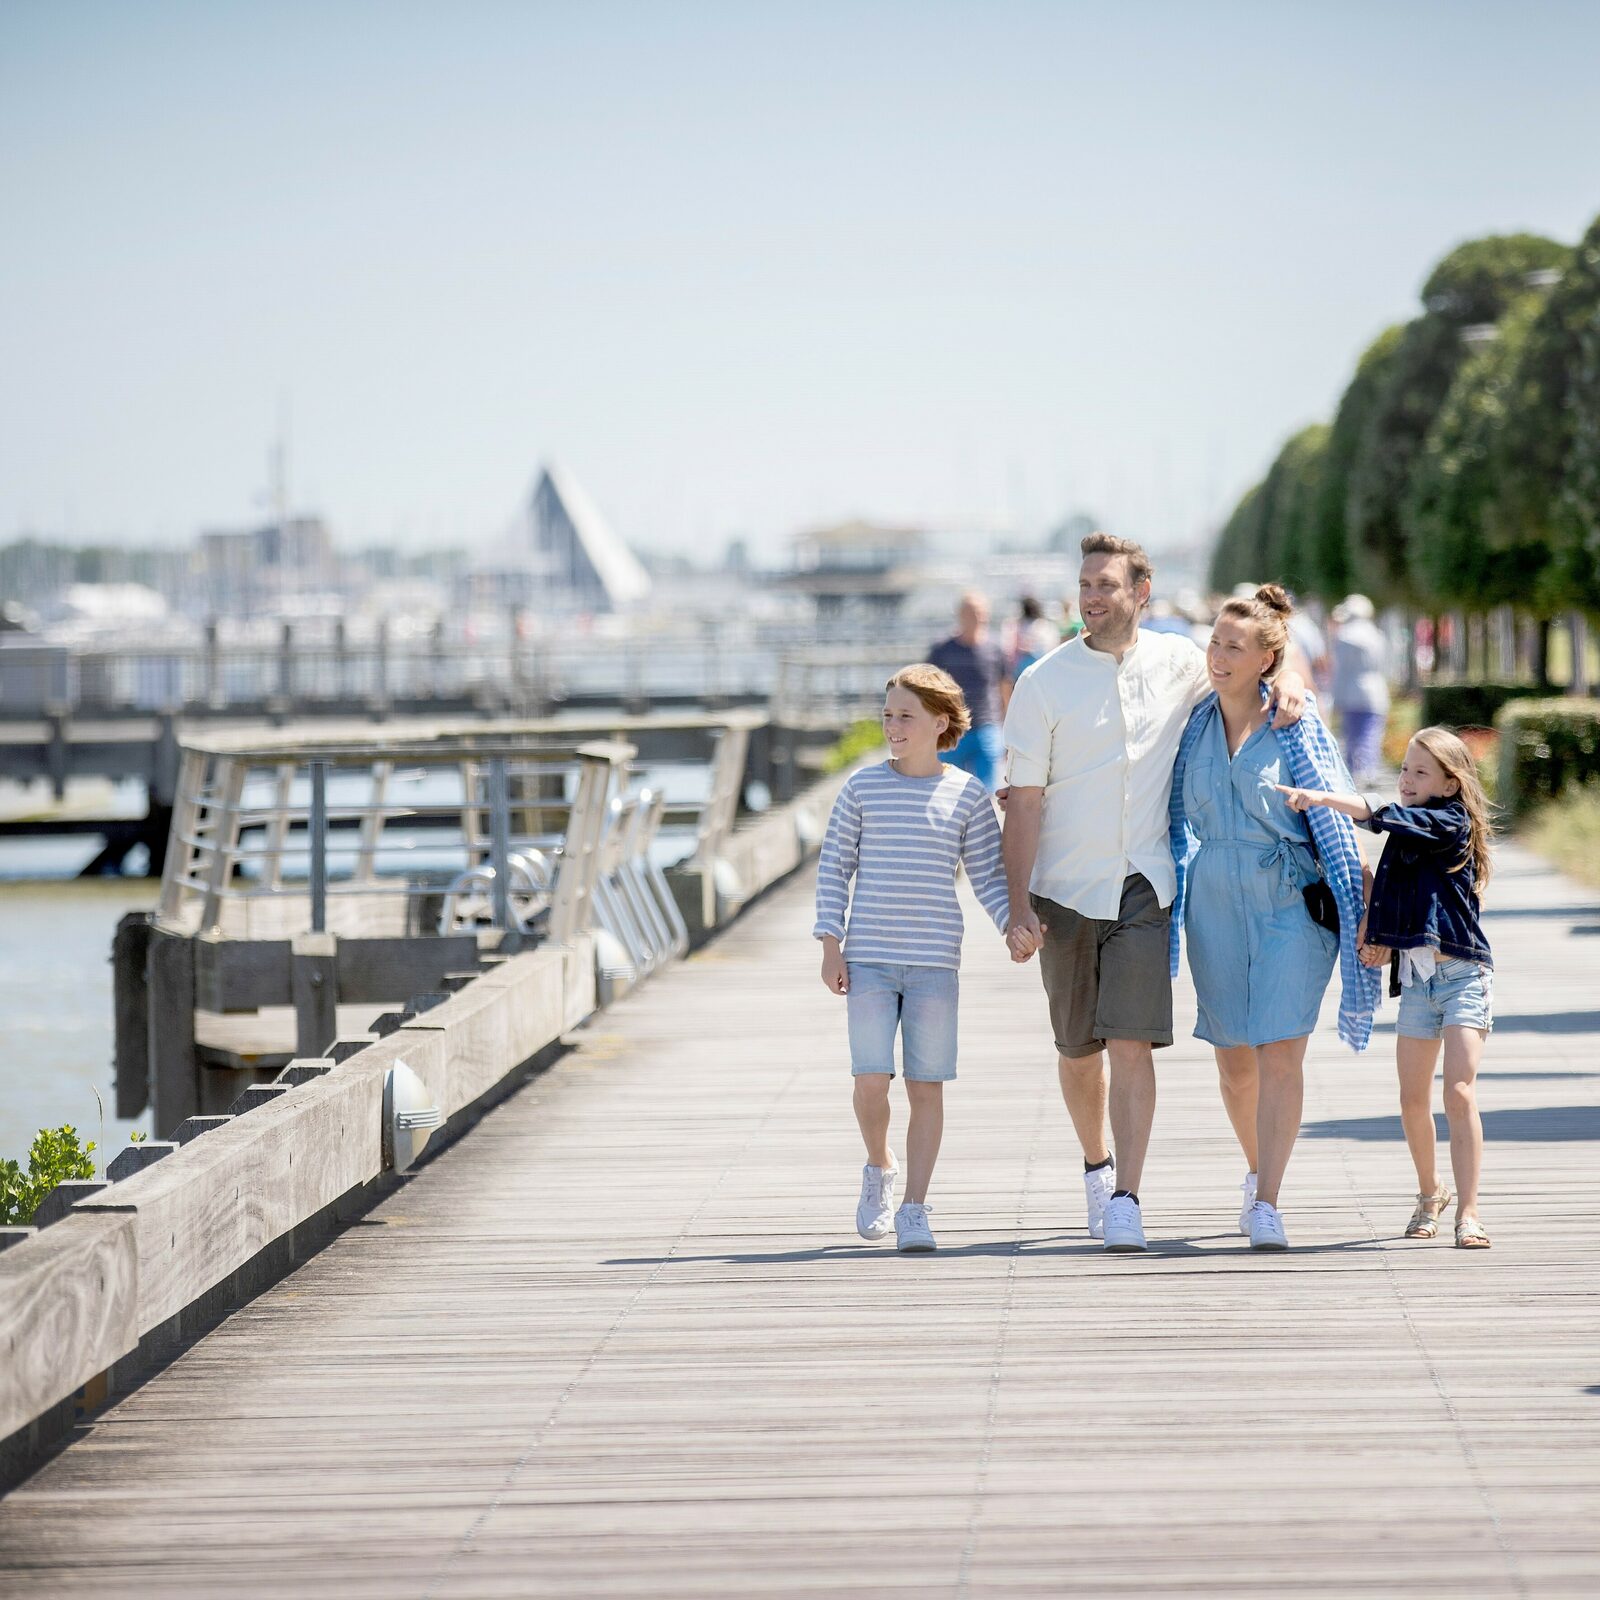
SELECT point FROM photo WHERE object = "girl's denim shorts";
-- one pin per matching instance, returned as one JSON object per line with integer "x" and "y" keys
{"x": 920, "y": 1002}
{"x": 1460, "y": 994}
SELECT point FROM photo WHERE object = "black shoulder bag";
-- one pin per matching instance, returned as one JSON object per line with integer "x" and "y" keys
{"x": 1321, "y": 906}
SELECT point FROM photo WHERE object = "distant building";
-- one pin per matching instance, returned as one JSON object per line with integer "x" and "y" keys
{"x": 575, "y": 556}
{"x": 248, "y": 572}
{"x": 857, "y": 565}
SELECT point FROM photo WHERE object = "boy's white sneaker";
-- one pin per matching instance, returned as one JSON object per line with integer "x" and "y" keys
{"x": 1248, "y": 1189}
{"x": 1124, "y": 1227}
{"x": 912, "y": 1234}
{"x": 1266, "y": 1227}
{"x": 1097, "y": 1187}
{"x": 875, "y": 1209}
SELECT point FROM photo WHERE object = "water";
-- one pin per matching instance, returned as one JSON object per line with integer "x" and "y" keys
{"x": 55, "y": 994}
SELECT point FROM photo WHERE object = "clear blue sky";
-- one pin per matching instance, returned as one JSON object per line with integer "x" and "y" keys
{"x": 744, "y": 267}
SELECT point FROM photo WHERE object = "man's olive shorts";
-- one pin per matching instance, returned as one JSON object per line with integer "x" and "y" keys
{"x": 1107, "y": 979}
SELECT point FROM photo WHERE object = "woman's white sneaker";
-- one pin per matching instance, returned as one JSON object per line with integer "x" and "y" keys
{"x": 912, "y": 1234}
{"x": 1097, "y": 1187}
{"x": 1248, "y": 1189}
{"x": 875, "y": 1211}
{"x": 1124, "y": 1227}
{"x": 1266, "y": 1227}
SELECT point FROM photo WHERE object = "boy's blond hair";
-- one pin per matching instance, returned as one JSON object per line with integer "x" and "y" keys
{"x": 940, "y": 693}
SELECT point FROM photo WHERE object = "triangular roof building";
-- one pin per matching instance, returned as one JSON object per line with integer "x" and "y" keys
{"x": 576, "y": 549}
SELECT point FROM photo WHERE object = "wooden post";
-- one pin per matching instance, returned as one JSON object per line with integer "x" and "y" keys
{"x": 212, "y": 692}
{"x": 314, "y": 984}
{"x": 380, "y": 669}
{"x": 57, "y": 753}
{"x": 174, "y": 1073}
{"x": 130, "y": 953}
{"x": 286, "y": 664}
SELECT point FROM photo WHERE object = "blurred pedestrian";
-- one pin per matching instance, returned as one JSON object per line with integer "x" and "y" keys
{"x": 978, "y": 665}
{"x": 1360, "y": 685}
{"x": 1036, "y": 636}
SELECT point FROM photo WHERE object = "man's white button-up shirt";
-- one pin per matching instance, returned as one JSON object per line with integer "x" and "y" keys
{"x": 1100, "y": 738}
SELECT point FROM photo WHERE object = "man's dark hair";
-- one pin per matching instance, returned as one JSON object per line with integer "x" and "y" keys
{"x": 1108, "y": 544}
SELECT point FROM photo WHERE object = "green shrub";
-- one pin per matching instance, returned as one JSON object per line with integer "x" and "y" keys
{"x": 56, "y": 1156}
{"x": 1546, "y": 747}
{"x": 858, "y": 740}
{"x": 1567, "y": 832}
{"x": 1471, "y": 705}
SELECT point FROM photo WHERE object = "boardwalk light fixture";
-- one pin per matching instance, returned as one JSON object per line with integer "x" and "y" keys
{"x": 409, "y": 1117}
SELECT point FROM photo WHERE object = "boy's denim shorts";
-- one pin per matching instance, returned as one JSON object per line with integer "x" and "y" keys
{"x": 920, "y": 1002}
{"x": 1460, "y": 994}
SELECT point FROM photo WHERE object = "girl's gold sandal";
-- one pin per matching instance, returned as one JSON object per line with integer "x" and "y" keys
{"x": 1424, "y": 1223}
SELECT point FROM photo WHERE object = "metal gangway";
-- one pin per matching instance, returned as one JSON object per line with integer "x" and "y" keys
{"x": 500, "y": 830}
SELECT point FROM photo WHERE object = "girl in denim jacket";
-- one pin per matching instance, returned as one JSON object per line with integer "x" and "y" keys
{"x": 1424, "y": 919}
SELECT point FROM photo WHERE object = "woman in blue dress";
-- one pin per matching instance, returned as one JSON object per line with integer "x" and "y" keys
{"x": 1260, "y": 963}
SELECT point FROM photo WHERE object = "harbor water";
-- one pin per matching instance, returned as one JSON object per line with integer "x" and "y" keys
{"x": 55, "y": 991}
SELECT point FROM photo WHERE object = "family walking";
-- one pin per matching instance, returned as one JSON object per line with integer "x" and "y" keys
{"x": 1156, "y": 795}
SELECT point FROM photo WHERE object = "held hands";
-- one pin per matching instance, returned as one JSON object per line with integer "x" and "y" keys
{"x": 1024, "y": 935}
{"x": 835, "y": 974}
{"x": 1371, "y": 955}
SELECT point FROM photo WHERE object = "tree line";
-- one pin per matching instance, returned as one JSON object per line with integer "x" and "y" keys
{"x": 1462, "y": 467}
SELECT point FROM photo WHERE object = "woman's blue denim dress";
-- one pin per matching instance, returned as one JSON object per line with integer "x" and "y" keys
{"x": 1260, "y": 964}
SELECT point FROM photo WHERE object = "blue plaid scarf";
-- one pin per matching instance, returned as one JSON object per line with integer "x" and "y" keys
{"x": 1312, "y": 760}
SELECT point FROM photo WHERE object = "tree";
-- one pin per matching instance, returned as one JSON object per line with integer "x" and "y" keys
{"x": 1463, "y": 549}
{"x": 1578, "y": 523}
{"x": 1232, "y": 557}
{"x": 1472, "y": 286}
{"x": 1332, "y": 574}
{"x": 1544, "y": 416}
{"x": 1288, "y": 539}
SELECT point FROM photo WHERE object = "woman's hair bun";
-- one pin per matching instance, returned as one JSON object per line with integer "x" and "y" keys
{"x": 1275, "y": 596}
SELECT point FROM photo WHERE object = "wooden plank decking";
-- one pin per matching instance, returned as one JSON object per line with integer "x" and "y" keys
{"x": 622, "y": 1339}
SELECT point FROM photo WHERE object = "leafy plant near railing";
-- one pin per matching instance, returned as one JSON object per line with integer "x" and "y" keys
{"x": 55, "y": 1156}
{"x": 859, "y": 739}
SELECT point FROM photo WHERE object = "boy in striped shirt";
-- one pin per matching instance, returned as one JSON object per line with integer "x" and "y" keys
{"x": 900, "y": 830}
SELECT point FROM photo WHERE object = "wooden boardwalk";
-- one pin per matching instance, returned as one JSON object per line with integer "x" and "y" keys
{"x": 622, "y": 1339}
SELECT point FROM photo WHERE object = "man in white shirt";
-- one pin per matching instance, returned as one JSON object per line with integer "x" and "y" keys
{"x": 1091, "y": 738}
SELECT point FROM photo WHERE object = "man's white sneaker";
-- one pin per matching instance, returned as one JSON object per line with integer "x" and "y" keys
{"x": 1266, "y": 1227}
{"x": 1097, "y": 1187}
{"x": 1124, "y": 1229}
{"x": 1248, "y": 1189}
{"x": 912, "y": 1234}
{"x": 875, "y": 1211}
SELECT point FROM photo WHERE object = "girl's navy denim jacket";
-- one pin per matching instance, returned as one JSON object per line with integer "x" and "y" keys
{"x": 1421, "y": 894}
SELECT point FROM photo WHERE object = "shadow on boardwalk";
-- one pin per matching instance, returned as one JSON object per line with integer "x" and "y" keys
{"x": 1509, "y": 1125}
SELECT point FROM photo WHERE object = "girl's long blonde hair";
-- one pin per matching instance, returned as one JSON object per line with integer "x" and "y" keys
{"x": 1455, "y": 761}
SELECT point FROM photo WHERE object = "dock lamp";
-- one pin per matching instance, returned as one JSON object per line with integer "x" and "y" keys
{"x": 409, "y": 1117}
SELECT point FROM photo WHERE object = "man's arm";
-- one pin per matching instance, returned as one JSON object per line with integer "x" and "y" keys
{"x": 1288, "y": 698}
{"x": 1019, "y": 848}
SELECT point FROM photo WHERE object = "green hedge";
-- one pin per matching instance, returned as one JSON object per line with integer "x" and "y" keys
{"x": 1546, "y": 747}
{"x": 1472, "y": 705}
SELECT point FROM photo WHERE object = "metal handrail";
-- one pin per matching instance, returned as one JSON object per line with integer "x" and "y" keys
{"x": 500, "y": 775}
